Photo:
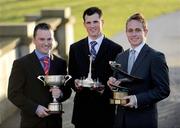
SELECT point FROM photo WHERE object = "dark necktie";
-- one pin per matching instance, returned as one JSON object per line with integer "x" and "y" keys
{"x": 93, "y": 50}
{"x": 131, "y": 60}
{"x": 45, "y": 61}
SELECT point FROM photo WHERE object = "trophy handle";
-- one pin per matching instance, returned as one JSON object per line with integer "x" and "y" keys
{"x": 67, "y": 78}
{"x": 41, "y": 78}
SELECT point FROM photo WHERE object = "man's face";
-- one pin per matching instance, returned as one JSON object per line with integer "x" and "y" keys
{"x": 43, "y": 40}
{"x": 93, "y": 25}
{"x": 135, "y": 32}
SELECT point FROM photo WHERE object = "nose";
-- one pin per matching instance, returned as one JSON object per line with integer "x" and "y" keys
{"x": 92, "y": 24}
{"x": 134, "y": 33}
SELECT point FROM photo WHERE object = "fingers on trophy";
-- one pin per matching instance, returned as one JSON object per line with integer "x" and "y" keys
{"x": 54, "y": 81}
{"x": 119, "y": 92}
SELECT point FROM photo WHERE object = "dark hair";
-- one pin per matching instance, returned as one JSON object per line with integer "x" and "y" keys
{"x": 92, "y": 10}
{"x": 42, "y": 26}
{"x": 139, "y": 17}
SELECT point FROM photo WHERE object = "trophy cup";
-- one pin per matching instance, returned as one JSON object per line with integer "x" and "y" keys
{"x": 54, "y": 81}
{"x": 89, "y": 82}
{"x": 118, "y": 91}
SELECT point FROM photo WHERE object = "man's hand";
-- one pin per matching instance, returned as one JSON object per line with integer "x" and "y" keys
{"x": 78, "y": 85}
{"x": 113, "y": 81}
{"x": 41, "y": 111}
{"x": 132, "y": 101}
{"x": 98, "y": 87}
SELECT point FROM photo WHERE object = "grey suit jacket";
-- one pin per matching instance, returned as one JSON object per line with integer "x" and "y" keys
{"x": 151, "y": 66}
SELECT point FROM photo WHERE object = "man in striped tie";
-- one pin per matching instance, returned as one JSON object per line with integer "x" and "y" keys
{"x": 27, "y": 92}
{"x": 91, "y": 106}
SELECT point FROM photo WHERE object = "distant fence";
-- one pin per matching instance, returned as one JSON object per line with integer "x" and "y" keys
{"x": 16, "y": 41}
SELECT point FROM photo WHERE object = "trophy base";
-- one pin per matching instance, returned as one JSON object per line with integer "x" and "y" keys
{"x": 55, "y": 108}
{"x": 117, "y": 98}
{"x": 119, "y": 95}
{"x": 118, "y": 101}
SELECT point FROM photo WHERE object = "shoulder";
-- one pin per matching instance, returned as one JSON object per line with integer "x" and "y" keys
{"x": 112, "y": 44}
{"x": 79, "y": 43}
{"x": 22, "y": 63}
{"x": 122, "y": 54}
{"x": 24, "y": 58}
{"x": 155, "y": 53}
{"x": 58, "y": 58}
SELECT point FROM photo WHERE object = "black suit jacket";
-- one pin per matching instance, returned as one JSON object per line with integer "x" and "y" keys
{"x": 151, "y": 66}
{"x": 27, "y": 92}
{"x": 90, "y": 108}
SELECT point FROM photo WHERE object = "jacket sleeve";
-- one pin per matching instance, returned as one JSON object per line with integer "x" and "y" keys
{"x": 159, "y": 81}
{"x": 17, "y": 82}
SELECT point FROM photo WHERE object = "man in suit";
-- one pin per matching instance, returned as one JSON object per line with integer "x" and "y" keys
{"x": 149, "y": 65}
{"x": 91, "y": 106}
{"x": 27, "y": 92}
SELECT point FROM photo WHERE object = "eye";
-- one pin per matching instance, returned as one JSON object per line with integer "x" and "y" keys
{"x": 130, "y": 30}
{"x": 138, "y": 30}
{"x": 95, "y": 22}
{"x": 41, "y": 39}
{"x": 88, "y": 22}
{"x": 49, "y": 39}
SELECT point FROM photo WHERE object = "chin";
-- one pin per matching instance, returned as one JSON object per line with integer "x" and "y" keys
{"x": 45, "y": 52}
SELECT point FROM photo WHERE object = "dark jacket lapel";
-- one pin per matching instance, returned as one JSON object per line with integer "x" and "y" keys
{"x": 102, "y": 49}
{"x": 140, "y": 58}
{"x": 123, "y": 60}
{"x": 34, "y": 62}
{"x": 85, "y": 47}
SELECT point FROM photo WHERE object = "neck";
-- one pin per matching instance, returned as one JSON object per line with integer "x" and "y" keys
{"x": 96, "y": 37}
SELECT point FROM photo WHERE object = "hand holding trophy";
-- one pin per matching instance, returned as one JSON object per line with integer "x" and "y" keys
{"x": 120, "y": 92}
{"x": 54, "y": 81}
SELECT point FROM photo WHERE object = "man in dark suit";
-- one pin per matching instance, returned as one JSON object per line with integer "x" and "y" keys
{"x": 27, "y": 92}
{"x": 91, "y": 106}
{"x": 149, "y": 65}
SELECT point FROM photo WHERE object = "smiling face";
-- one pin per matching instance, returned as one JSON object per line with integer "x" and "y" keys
{"x": 93, "y": 24}
{"x": 43, "y": 40}
{"x": 136, "y": 33}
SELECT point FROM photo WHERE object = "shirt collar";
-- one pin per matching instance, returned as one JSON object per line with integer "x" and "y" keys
{"x": 138, "y": 48}
{"x": 40, "y": 55}
{"x": 98, "y": 40}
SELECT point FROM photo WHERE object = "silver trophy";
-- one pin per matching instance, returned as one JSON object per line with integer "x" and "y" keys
{"x": 54, "y": 81}
{"x": 89, "y": 82}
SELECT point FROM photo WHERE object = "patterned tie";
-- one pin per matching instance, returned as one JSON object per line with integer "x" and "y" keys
{"x": 93, "y": 50}
{"x": 45, "y": 61}
{"x": 131, "y": 60}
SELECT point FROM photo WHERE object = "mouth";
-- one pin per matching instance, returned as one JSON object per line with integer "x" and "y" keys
{"x": 134, "y": 39}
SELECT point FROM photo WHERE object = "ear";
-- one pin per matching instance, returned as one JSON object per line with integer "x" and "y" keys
{"x": 102, "y": 22}
{"x": 33, "y": 39}
{"x": 84, "y": 24}
{"x": 146, "y": 31}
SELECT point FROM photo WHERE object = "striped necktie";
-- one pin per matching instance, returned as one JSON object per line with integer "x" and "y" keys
{"x": 45, "y": 61}
{"x": 131, "y": 60}
{"x": 93, "y": 50}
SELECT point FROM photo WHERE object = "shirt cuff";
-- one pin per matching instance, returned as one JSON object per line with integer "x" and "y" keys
{"x": 135, "y": 98}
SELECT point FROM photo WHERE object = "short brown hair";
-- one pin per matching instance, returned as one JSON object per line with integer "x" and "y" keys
{"x": 42, "y": 26}
{"x": 139, "y": 17}
{"x": 92, "y": 10}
